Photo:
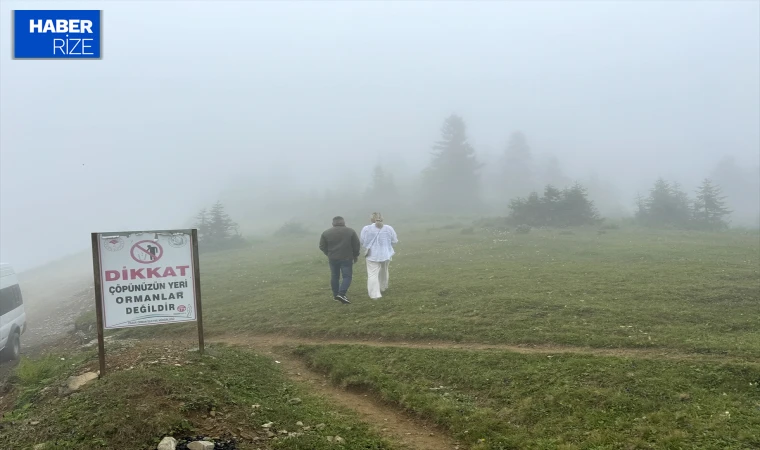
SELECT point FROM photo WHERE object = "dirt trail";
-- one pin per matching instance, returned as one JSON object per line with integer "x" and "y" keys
{"x": 274, "y": 340}
{"x": 388, "y": 421}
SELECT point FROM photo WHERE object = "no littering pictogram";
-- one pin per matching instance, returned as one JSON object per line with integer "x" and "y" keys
{"x": 147, "y": 252}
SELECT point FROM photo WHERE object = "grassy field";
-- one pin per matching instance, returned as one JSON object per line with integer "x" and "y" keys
{"x": 689, "y": 292}
{"x": 169, "y": 391}
{"x": 656, "y": 333}
{"x": 504, "y": 400}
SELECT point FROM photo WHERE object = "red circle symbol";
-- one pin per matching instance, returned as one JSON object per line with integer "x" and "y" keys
{"x": 146, "y": 252}
{"x": 181, "y": 308}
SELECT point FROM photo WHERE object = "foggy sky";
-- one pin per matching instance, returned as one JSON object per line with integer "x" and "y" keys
{"x": 190, "y": 95}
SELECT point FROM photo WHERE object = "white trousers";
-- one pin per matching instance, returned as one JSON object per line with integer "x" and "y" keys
{"x": 377, "y": 278}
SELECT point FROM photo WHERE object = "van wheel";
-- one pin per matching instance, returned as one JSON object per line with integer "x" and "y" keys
{"x": 12, "y": 350}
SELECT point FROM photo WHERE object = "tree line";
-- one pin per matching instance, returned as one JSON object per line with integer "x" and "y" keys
{"x": 669, "y": 206}
{"x": 531, "y": 194}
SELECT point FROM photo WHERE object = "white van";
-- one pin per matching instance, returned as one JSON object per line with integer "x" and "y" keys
{"x": 12, "y": 314}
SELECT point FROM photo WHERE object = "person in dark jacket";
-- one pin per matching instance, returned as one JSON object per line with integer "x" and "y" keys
{"x": 341, "y": 246}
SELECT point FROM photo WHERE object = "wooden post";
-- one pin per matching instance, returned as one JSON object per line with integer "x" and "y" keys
{"x": 197, "y": 281}
{"x": 98, "y": 302}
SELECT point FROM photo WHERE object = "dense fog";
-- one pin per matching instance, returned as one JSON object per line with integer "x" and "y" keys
{"x": 286, "y": 111}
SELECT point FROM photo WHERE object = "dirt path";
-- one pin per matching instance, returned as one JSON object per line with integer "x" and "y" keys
{"x": 662, "y": 353}
{"x": 386, "y": 420}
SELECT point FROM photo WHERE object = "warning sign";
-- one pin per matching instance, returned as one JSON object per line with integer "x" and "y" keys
{"x": 146, "y": 252}
{"x": 146, "y": 278}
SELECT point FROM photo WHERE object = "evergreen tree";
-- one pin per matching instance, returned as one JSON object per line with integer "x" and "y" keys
{"x": 710, "y": 207}
{"x": 566, "y": 208}
{"x": 202, "y": 224}
{"x": 452, "y": 181}
{"x": 220, "y": 225}
{"x": 577, "y": 209}
{"x": 552, "y": 203}
{"x": 682, "y": 211}
{"x": 667, "y": 205}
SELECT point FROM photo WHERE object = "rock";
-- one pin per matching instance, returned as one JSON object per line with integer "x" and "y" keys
{"x": 339, "y": 440}
{"x": 321, "y": 426}
{"x": 75, "y": 383}
{"x": 200, "y": 445}
{"x": 299, "y": 423}
{"x": 268, "y": 425}
{"x": 42, "y": 446}
{"x": 294, "y": 401}
{"x": 684, "y": 397}
{"x": 167, "y": 443}
{"x": 270, "y": 434}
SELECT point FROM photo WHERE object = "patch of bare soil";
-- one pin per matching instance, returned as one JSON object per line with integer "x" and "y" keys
{"x": 388, "y": 421}
{"x": 662, "y": 353}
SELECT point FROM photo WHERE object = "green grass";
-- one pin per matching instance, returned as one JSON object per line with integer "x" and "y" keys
{"x": 136, "y": 408}
{"x": 33, "y": 375}
{"x": 503, "y": 400}
{"x": 676, "y": 292}
{"x": 685, "y": 291}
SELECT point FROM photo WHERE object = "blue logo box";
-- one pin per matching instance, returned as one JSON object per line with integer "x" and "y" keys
{"x": 57, "y": 34}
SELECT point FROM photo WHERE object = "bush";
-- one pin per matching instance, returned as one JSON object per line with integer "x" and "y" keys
{"x": 292, "y": 228}
{"x": 567, "y": 208}
{"x": 469, "y": 230}
{"x": 610, "y": 226}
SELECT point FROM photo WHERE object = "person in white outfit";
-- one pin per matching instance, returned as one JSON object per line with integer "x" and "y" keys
{"x": 378, "y": 240}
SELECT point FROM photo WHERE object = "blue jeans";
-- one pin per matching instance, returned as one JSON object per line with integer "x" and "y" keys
{"x": 340, "y": 267}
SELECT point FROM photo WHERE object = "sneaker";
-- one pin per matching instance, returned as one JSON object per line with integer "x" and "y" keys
{"x": 343, "y": 299}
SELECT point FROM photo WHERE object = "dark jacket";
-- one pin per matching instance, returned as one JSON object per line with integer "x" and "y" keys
{"x": 340, "y": 243}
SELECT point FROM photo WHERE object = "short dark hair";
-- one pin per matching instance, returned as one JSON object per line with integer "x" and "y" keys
{"x": 337, "y": 220}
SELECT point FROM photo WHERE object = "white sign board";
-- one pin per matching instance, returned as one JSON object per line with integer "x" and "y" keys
{"x": 147, "y": 278}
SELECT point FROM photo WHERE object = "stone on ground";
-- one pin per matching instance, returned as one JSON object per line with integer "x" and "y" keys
{"x": 167, "y": 443}
{"x": 201, "y": 445}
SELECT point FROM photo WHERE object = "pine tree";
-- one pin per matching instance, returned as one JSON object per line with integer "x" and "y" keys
{"x": 220, "y": 225}
{"x": 452, "y": 181}
{"x": 710, "y": 207}
{"x": 567, "y": 208}
{"x": 667, "y": 206}
{"x": 203, "y": 224}
{"x": 552, "y": 203}
{"x": 682, "y": 211}
{"x": 577, "y": 209}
